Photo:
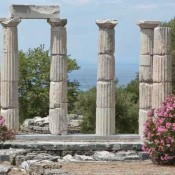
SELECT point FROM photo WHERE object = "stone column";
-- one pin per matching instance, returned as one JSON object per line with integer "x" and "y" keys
{"x": 105, "y": 109}
{"x": 162, "y": 66}
{"x": 145, "y": 70}
{"x": 9, "y": 73}
{"x": 58, "y": 123}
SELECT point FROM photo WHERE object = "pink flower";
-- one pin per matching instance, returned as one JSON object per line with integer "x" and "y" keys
{"x": 150, "y": 113}
{"x": 2, "y": 120}
{"x": 168, "y": 125}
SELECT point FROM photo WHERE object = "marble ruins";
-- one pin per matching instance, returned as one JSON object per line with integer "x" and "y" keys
{"x": 155, "y": 74}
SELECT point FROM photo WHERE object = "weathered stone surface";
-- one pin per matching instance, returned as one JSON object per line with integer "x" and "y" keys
{"x": 9, "y": 73}
{"x": 106, "y": 23}
{"x": 58, "y": 40}
{"x": 58, "y": 69}
{"x": 105, "y": 94}
{"x": 148, "y": 24}
{"x": 106, "y": 41}
{"x": 4, "y": 169}
{"x": 143, "y": 155}
{"x": 162, "y": 40}
{"x": 69, "y": 158}
{"x": 105, "y": 104}
{"x": 9, "y": 66}
{"x": 145, "y": 96}
{"x": 10, "y": 41}
{"x": 103, "y": 155}
{"x": 11, "y": 118}
{"x": 11, "y": 154}
{"x": 146, "y": 41}
{"x": 162, "y": 69}
{"x": 132, "y": 158}
{"x": 60, "y": 144}
{"x": 9, "y": 94}
{"x": 160, "y": 93}
{"x": 83, "y": 157}
{"x": 34, "y": 12}
{"x": 58, "y": 93}
{"x": 4, "y": 158}
{"x": 55, "y": 22}
{"x": 145, "y": 74}
{"x": 106, "y": 67}
{"x": 142, "y": 120}
{"x": 145, "y": 69}
{"x": 58, "y": 122}
{"x": 146, "y": 60}
{"x": 12, "y": 22}
{"x": 105, "y": 121}
{"x": 39, "y": 168}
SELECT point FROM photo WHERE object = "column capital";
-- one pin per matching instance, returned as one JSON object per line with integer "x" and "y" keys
{"x": 148, "y": 24}
{"x": 13, "y": 22}
{"x": 55, "y": 22}
{"x": 106, "y": 23}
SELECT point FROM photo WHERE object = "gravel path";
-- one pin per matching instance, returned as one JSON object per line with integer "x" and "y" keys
{"x": 111, "y": 168}
{"x": 118, "y": 168}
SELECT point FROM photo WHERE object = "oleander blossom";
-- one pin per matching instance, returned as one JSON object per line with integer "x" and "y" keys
{"x": 2, "y": 121}
{"x": 5, "y": 133}
{"x": 159, "y": 133}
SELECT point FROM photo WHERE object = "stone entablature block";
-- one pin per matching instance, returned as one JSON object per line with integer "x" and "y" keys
{"x": 34, "y": 11}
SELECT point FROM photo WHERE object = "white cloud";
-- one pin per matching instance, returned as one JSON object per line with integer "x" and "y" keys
{"x": 85, "y": 2}
{"x": 149, "y": 6}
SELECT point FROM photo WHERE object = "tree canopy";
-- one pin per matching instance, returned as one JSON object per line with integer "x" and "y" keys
{"x": 34, "y": 81}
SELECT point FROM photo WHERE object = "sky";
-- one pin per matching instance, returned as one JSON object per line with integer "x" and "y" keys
{"x": 82, "y": 32}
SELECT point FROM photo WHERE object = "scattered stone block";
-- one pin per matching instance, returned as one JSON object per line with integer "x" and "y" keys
{"x": 68, "y": 158}
{"x": 143, "y": 155}
{"x": 83, "y": 157}
{"x": 103, "y": 155}
{"x": 4, "y": 169}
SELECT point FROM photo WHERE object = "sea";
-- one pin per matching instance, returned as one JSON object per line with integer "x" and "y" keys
{"x": 87, "y": 75}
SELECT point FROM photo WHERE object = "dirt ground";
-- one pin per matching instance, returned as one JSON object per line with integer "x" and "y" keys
{"x": 112, "y": 168}
{"x": 118, "y": 168}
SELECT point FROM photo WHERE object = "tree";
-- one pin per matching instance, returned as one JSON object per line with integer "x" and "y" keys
{"x": 73, "y": 86}
{"x": 34, "y": 82}
{"x": 86, "y": 106}
{"x": 126, "y": 108}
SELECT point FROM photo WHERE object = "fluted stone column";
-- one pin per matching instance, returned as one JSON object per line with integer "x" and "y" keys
{"x": 145, "y": 70}
{"x": 58, "y": 123}
{"x": 9, "y": 73}
{"x": 162, "y": 66}
{"x": 105, "y": 104}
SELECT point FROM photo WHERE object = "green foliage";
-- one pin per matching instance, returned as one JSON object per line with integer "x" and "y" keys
{"x": 73, "y": 86}
{"x": 159, "y": 134}
{"x": 126, "y": 108}
{"x": 126, "y": 111}
{"x": 86, "y": 106}
{"x": 5, "y": 133}
{"x": 34, "y": 83}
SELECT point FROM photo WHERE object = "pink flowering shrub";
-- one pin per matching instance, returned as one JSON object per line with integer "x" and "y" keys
{"x": 5, "y": 133}
{"x": 160, "y": 133}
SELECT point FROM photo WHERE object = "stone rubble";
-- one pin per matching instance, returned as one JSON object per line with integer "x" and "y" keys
{"x": 4, "y": 169}
{"x": 48, "y": 162}
{"x": 41, "y": 125}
